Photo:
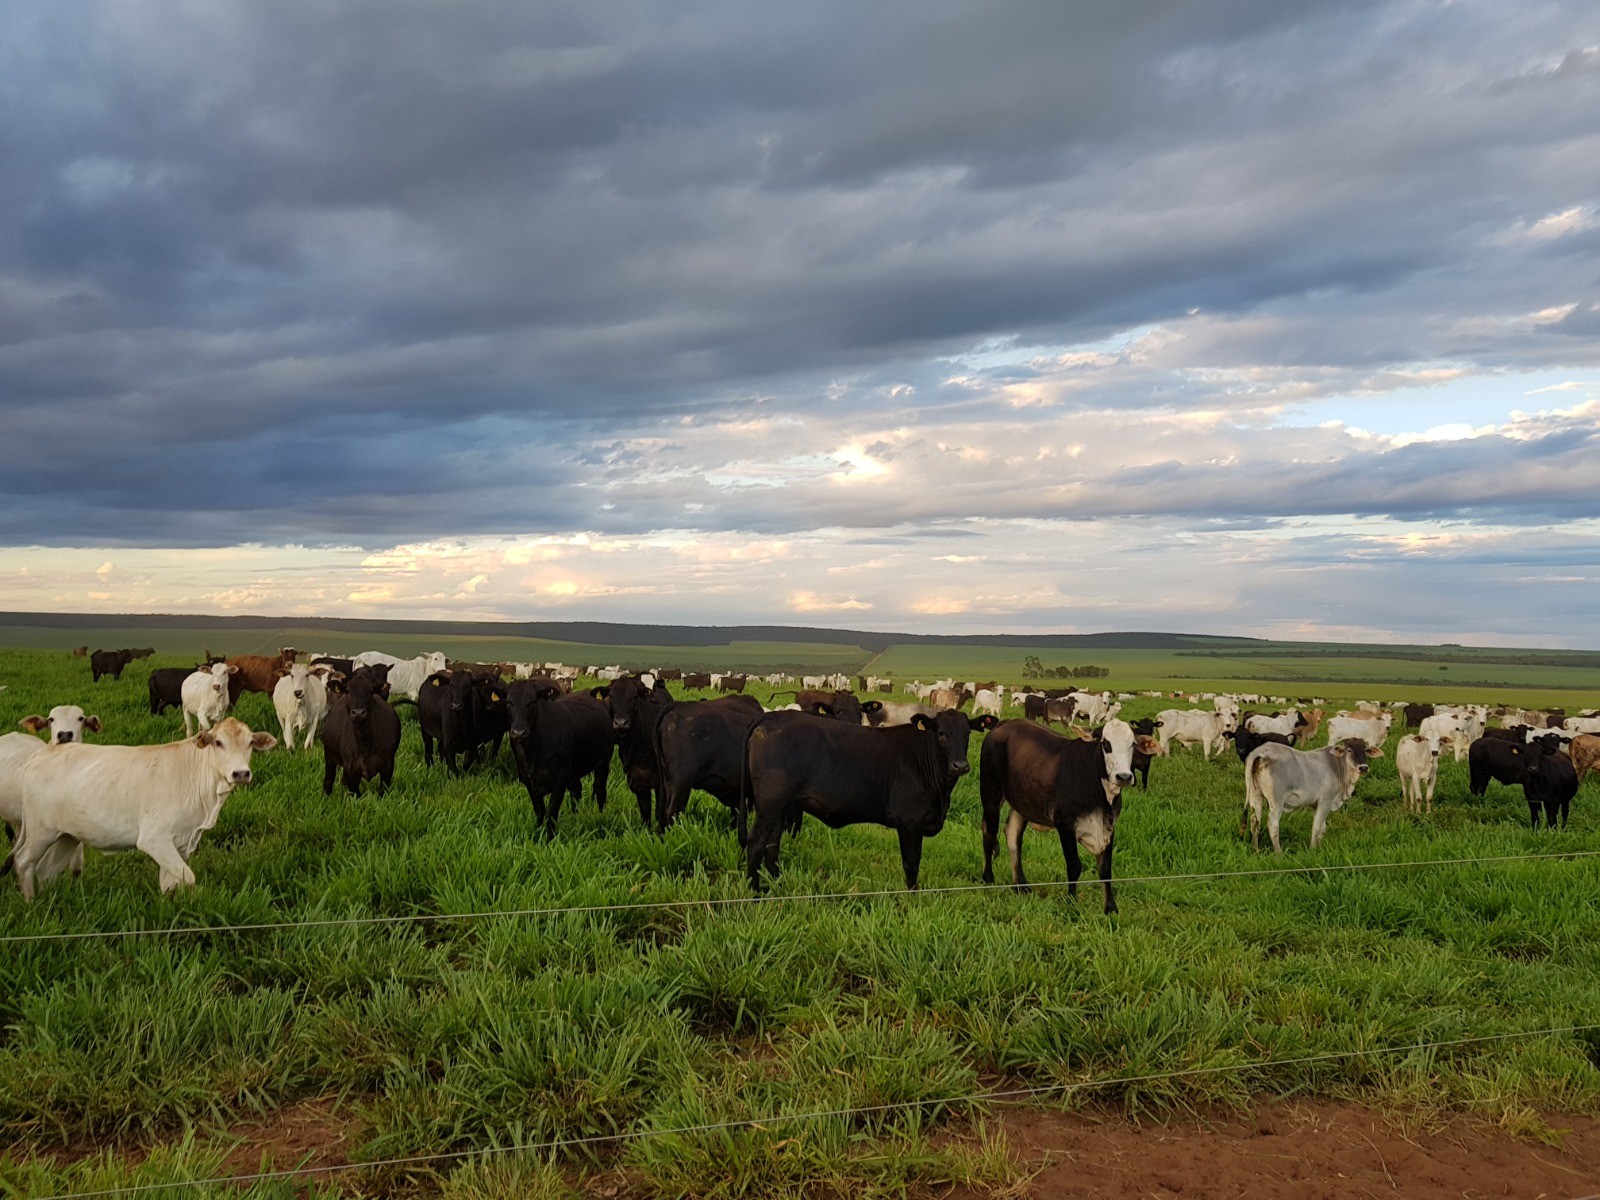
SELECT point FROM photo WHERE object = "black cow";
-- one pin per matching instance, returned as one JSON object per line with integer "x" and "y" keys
{"x": 1511, "y": 733}
{"x": 732, "y": 683}
{"x": 447, "y": 706}
{"x": 1059, "y": 783}
{"x": 1033, "y": 706}
{"x": 700, "y": 744}
{"x": 109, "y": 662}
{"x": 697, "y": 679}
{"x": 359, "y": 736}
{"x": 166, "y": 688}
{"x": 1549, "y": 780}
{"x": 1498, "y": 759}
{"x": 1144, "y": 728}
{"x": 900, "y": 777}
{"x": 840, "y": 705}
{"x": 634, "y": 711}
{"x": 344, "y": 666}
{"x": 1416, "y": 714}
{"x": 557, "y": 740}
{"x": 1245, "y": 740}
{"x": 491, "y": 717}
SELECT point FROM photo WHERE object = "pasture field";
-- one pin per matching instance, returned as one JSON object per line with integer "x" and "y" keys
{"x": 162, "y": 1058}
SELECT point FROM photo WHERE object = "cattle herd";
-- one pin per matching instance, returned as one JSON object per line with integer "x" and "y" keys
{"x": 830, "y": 753}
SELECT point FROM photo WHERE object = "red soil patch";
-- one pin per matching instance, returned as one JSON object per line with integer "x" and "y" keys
{"x": 1304, "y": 1150}
{"x": 308, "y": 1134}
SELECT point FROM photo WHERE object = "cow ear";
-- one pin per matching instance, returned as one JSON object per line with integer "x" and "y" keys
{"x": 233, "y": 668}
{"x": 335, "y": 676}
{"x": 34, "y": 724}
{"x": 1146, "y": 745}
{"x": 985, "y": 722}
{"x": 821, "y": 708}
{"x": 1375, "y": 752}
{"x": 548, "y": 693}
{"x": 205, "y": 738}
{"x": 494, "y": 696}
{"x": 262, "y": 741}
{"x": 922, "y": 720}
{"x": 870, "y": 706}
{"x": 600, "y": 693}
{"x": 436, "y": 680}
{"x": 92, "y": 724}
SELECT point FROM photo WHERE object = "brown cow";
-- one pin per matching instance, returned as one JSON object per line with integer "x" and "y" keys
{"x": 80, "y": 652}
{"x": 1585, "y": 751}
{"x": 258, "y": 672}
{"x": 942, "y": 698}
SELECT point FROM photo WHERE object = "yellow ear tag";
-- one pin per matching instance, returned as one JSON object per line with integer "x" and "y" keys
{"x": 438, "y": 683}
{"x": 494, "y": 696}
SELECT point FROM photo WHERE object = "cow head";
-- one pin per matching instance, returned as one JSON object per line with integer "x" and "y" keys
{"x": 360, "y": 690}
{"x": 623, "y": 697}
{"x": 950, "y": 728}
{"x": 229, "y": 744}
{"x": 1117, "y": 742}
{"x": 1352, "y": 755}
{"x": 523, "y": 699}
{"x": 296, "y": 675}
{"x": 65, "y": 723}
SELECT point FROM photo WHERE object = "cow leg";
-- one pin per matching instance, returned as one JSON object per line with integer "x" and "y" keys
{"x": 641, "y": 797}
{"x": 65, "y": 853}
{"x": 553, "y": 812}
{"x": 330, "y": 768}
{"x": 427, "y": 749}
{"x": 1533, "y": 813}
{"x": 911, "y": 856}
{"x": 1016, "y": 825}
{"x": 1274, "y": 819}
{"x": 990, "y": 828}
{"x": 598, "y": 785}
{"x": 1102, "y": 862}
{"x": 1319, "y": 825}
{"x": 174, "y": 871}
{"x": 768, "y": 828}
{"x": 1069, "y": 851}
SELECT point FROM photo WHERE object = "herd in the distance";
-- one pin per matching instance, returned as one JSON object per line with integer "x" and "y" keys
{"x": 837, "y": 752}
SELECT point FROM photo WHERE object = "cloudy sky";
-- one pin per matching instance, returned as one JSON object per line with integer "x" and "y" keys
{"x": 1233, "y": 316}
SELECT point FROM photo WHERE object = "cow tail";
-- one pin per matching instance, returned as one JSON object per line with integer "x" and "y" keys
{"x": 1252, "y": 794}
{"x": 744, "y": 785}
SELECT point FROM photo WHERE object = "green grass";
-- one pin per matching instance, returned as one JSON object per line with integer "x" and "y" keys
{"x": 441, "y": 1036}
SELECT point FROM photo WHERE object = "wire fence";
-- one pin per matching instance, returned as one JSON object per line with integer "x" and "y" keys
{"x": 753, "y": 900}
{"x": 992, "y": 1096}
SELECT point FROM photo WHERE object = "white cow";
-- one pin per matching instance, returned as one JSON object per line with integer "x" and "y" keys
{"x": 986, "y": 701}
{"x": 893, "y": 712}
{"x": 301, "y": 698}
{"x": 1283, "y": 778}
{"x": 1416, "y": 759}
{"x": 1459, "y": 730}
{"x": 205, "y": 696}
{"x": 1288, "y": 723}
{"x": 1191, "y": 727}
{"x": 406, "y": 676}
{"x": 1582, "y": 724}
{"x": 1373, "y": 730}
{"x": 66, "y": 723}
{"x": 1093, "y": 708}
{"x": 158, "y": 799}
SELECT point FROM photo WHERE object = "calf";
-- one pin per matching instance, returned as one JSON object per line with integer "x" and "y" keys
{"x": 1416, "y": 760}
{"x": 700, "y": 744}
{"x": 557, "y": 740}
{"x": 159, "y": 799}
{"x": 843, "y": 774}
{"x": 1283, "y": 778}
{"x": 360, "y": 736}
{"x": 206, "y": 696}
{"x": 1068, "y": 784}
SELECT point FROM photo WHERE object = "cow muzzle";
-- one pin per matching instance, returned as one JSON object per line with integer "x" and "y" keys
{"x": 64, "y": 737}
{"x": 1125, "y": 777}
{"x": 519, "y": 735}
{"x": 299, "y": 695}
{"x": 958, "y": 769}
{"x": 241, "y": 776}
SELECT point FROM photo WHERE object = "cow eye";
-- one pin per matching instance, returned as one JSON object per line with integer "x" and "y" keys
{"x": 1106, "y": 746}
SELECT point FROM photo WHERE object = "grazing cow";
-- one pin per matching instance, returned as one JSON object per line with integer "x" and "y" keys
{"x": 1070, "y": 784}
{"x": 359, "y": 736}
{"x": 847, "y": 775}
{"x": 557, "y": 741}
{"x": 1291, "y": 724}
{"x": 1416, "y": 714}
{"x": 1549, "y": 780}
{"x": 1192, "y": 727}
{"x": 301, "y": 701}
{"x": 165, "y": 686}
{"x": 65, "y": 724}
{"x": 159, "y": 799}
{"x": 1244, "y": 741}
{"x": 1416, "y": 760}
{"x": 1284, "y": 778}
{"x": 206, "y": 696}
{"x": 259, "y": 672}
{"x": 696, "y": 679}
{"x": 1584, "y": 751}
{"x": 1373, "y": 730}
{"x": 700, "y": 744}
{"x": 109, "y": 662}
{"x": 634, "y": 710}
{"x": 1496, "y": 758}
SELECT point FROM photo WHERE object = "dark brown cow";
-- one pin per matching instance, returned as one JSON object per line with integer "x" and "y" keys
{"x": 732, "y": 683}
{"x": 109, "y": 662}
{"x": 697, "y": 679}
{"x": 359, "y": 737}
{"x": 80, "y": 651}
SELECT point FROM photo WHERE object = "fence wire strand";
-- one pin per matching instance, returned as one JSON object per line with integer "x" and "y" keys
{"x": 710, "y": 902}
{"x": 987, "y": 1097}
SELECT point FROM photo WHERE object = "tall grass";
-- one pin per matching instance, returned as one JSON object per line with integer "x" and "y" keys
{"x": 442, "y": 1036}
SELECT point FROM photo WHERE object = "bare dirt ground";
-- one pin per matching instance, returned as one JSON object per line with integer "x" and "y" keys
{"x": 1301, "y": 1149}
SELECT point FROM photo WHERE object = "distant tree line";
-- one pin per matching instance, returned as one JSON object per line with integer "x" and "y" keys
{"x": 1032, "y": 668}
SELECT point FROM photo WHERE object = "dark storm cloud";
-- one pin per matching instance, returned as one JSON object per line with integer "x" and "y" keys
{"x": 364, "y": 271}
